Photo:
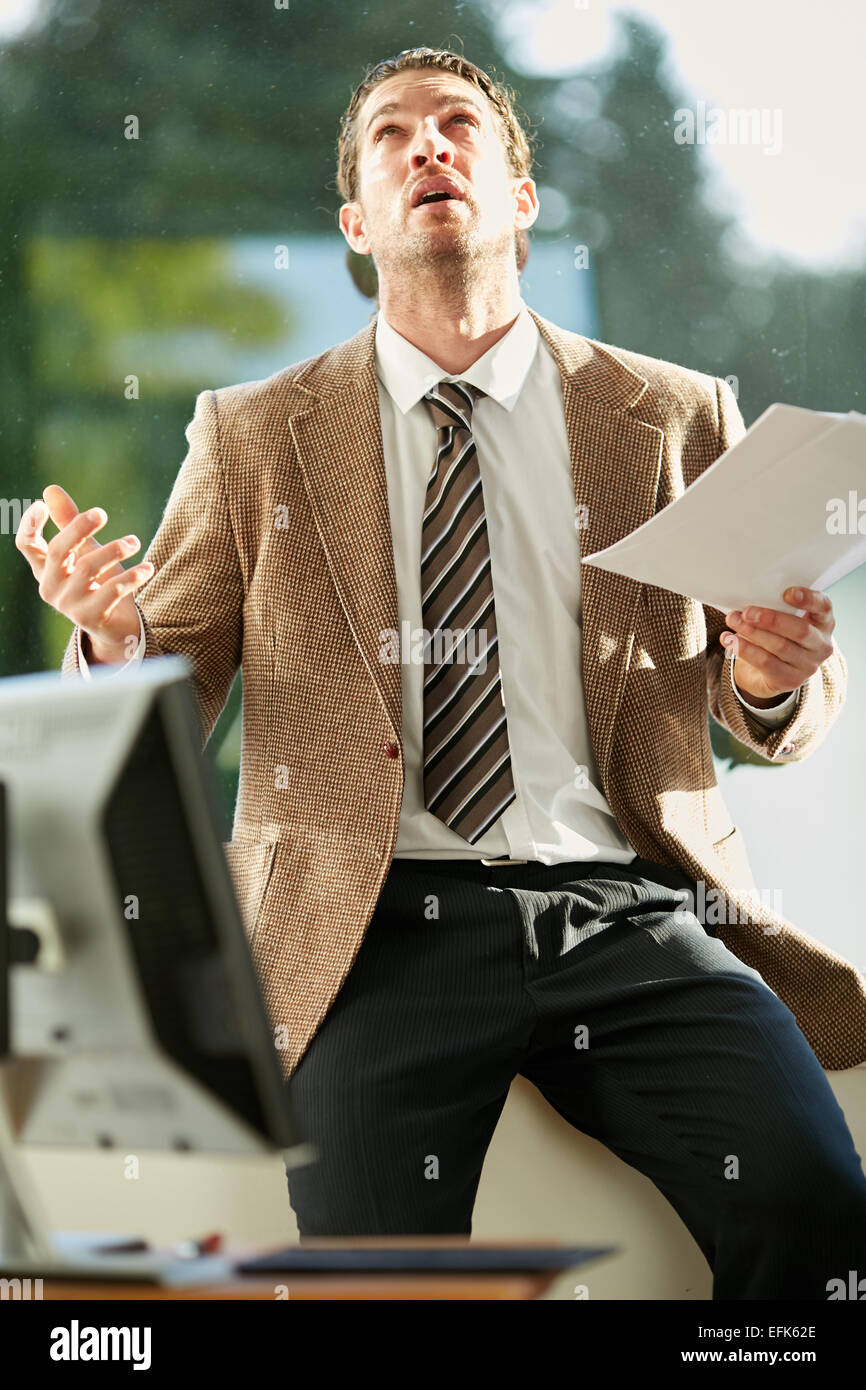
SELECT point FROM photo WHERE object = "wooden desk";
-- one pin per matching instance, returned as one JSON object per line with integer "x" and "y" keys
{"x": 390, "y": 1288}
{"x": 428, "y": 1286}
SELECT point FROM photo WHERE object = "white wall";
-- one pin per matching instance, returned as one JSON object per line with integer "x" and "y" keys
{"x": 542, "y": 1179}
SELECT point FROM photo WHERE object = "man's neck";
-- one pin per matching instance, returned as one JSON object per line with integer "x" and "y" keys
{"x": 454, "y": 330}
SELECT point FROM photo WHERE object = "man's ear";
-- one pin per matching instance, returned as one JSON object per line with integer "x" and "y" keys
{"x": 526, "y": 198}
{"x": 352, "y": 227}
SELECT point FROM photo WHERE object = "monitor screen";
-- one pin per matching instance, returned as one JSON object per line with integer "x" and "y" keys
{"x": 140, "y": 1020}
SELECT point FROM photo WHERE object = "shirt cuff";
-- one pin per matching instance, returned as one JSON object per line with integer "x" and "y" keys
{"x": 775, "y": 715}
{"x": 138, "y": 654}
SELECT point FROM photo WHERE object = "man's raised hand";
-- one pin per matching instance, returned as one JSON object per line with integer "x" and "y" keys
{"x": 80, "y": 578}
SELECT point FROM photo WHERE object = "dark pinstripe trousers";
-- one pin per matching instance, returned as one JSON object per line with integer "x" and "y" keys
{"x": 638, "y": 1026}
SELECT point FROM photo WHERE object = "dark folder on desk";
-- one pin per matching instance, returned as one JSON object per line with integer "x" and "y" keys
{"x": 468, "y": 1259}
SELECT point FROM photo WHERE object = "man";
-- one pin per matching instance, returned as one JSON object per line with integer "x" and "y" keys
{"x": 465, "y": 855}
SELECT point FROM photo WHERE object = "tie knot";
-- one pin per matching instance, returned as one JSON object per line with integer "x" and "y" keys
{"x": 451, "y": 403}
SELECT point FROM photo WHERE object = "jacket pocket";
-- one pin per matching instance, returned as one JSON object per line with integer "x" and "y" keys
{"x": 250, "y": 863}
{"x": 730, "y": 853}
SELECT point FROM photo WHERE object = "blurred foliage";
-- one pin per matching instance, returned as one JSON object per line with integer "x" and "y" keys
{"x": 97, "y": 305}
{"x": 114, "y": 254}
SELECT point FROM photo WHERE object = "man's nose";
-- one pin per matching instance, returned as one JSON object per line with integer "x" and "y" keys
{"x": 430, "y": 146}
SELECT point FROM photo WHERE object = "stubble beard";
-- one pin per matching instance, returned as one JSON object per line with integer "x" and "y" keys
{"x": 451, "y": 260}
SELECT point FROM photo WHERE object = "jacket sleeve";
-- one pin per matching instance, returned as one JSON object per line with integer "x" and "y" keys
{"x": 193, "y": 603}
{"x": 821, "y": 697}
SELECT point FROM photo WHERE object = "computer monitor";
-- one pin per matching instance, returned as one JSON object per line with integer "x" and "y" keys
{"x": 130, "y": 1010}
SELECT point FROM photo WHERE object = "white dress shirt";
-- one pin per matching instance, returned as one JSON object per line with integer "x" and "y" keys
{"x": 559, "y": 813}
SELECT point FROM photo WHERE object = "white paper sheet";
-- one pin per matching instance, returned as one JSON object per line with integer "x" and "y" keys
{"x": 757, "y": 520}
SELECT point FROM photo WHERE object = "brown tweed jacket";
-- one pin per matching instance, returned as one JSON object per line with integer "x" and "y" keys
{"x": 275, "y": 555}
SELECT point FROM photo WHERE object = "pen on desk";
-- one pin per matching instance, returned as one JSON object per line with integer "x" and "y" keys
{"x": 194, "y": 1249}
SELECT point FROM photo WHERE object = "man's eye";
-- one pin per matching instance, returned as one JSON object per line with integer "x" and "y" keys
{"x": 460, "y": 116}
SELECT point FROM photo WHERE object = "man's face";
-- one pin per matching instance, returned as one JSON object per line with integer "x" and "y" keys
{"x": 433, "y": 174}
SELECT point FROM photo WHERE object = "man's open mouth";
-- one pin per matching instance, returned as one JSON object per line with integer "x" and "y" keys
{"x": 439, "y": 189}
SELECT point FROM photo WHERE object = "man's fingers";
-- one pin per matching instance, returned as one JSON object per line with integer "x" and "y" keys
{"x": 78, "y": 534}
{"x": 772, "y": 668}
{"x": 116, "y": 589}
{"x": 63, "y": 512}
{"x": 60, "y": 505}
{"x": 751, "y": 637}
{"x": 777, "y": 643}
{"x": 818, "y": 607}
{"x": 31, "y": 523}
{"x": 113, "y": 554}
{"x": 782, "y": 633}
{"x": 106, "y": 560}
{"x": 29, "y": 538}
{"x": 770, "y": 620}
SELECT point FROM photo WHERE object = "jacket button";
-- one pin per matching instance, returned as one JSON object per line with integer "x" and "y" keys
{"x": 390, "y": 747}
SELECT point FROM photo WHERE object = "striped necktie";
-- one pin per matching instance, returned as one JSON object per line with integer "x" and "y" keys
{"x": 467, "y": 764}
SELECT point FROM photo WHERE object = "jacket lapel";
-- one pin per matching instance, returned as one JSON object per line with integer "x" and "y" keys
{"x": 615, "y": 464}
{"x": 615, "y": 460}
{"x": 339, "y": 444}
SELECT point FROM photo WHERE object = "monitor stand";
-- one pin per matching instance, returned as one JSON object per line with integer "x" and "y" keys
{"x": 30, "y": 1252}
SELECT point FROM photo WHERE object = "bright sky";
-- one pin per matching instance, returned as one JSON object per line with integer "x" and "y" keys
{"x": 803, "y": 59}
{"x": 14, "y": 15}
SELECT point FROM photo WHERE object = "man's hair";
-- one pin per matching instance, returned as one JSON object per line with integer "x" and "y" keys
{"x": 514, "y": 138}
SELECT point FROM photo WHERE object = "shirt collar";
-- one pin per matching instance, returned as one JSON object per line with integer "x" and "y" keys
{"x": 407, "y": 373}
